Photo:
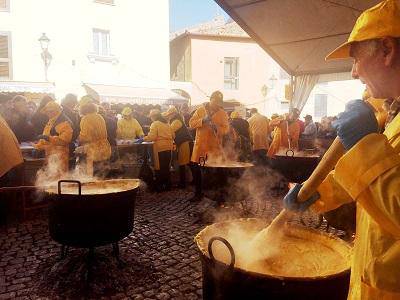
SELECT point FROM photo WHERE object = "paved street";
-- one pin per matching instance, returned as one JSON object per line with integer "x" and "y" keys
{"x": 160, "y": 256}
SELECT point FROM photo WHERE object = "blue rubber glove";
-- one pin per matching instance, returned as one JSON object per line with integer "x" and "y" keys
{"x": 139, "y": 141}
{"x": 290, "y": 200}
{"x": 43, "y": 137}
{"x": 357, "y": 121}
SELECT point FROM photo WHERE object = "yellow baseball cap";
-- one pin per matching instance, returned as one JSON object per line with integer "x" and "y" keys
{"x": 235, "y": 114}
{"x": 382, "y": 20}
{"x": 171, "y": 110}
{"x": 126, "y": 111}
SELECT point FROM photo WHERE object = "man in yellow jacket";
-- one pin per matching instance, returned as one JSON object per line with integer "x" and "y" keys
{"x": 128, "y": 128}
{"x": 369, "y": 173}
{"x": 211, "y": 124}
{"x": 92, "y": 137}
{"x": 259, "y": 131}
{"x": 56, "y": 138}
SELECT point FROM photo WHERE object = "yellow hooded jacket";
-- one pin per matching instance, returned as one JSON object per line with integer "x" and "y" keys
{"x": 208, "y": 143}
{"x": 369, "y": 173}
{"x": 11, "y": 155}
{"x": 184, "y": 148}
{"x": 163, "y": 137}
{"x": 259, "y": 130}
{"x": 281, "y": 136}
{"x": 129, "y": 129}
{"x": 93, "y": 137}
{"x": 58, "y": 143}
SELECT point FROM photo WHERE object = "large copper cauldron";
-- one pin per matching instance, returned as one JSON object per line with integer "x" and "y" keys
{"x": 221, "y": 177}
{"x": 295, "y": 166}
{"x": 92, "y": 214}
{"x": 228, "y": 281}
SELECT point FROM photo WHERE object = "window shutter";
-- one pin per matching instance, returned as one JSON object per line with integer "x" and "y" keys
{"x": 3, "y": 46}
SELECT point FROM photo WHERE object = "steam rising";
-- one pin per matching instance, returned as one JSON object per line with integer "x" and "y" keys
{"x": 289, "y": 252}
{"x": 52, "y": 172}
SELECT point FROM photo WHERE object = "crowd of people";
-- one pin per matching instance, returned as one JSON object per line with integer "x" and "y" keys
{"x": 86, "y": 132}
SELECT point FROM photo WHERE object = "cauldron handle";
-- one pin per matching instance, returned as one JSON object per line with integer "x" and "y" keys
{"x": 290, "y": 151}
{"x": 202, "y": 160}
{"x": 227, "y": 244}
{"x": 70, "y": 181}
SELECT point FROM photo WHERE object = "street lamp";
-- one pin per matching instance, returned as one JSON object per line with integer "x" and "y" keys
{"x": 46, "y": 56}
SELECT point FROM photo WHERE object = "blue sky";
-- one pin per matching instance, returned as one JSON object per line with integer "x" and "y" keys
{"x": 185, "y": 13}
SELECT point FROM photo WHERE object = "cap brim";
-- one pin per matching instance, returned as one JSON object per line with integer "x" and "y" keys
{"x": 341, "y": 52}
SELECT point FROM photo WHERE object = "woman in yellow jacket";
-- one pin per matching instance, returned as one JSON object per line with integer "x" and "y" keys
{"x": 93, "y": 137}
{"x": 56, "y": 138}
{"x": 163, "y": 137}
{"x": 128, "y": 128}
{"x": 182, "y": 140}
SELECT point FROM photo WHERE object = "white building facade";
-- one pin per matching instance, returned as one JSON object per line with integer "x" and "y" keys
{"x": 106, "y": 42}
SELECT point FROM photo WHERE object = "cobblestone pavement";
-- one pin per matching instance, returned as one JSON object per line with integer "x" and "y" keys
{"x": 161, "y": 260}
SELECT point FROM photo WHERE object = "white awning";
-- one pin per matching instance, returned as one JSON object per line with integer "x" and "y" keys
{"x": 129, "y": 94}
{"x": 299, "y": 34}
{"x": 27, "y": 87}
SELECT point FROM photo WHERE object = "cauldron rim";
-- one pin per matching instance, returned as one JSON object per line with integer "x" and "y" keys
{"x": 216, "y": 166}
{"x": 54, "y": 191}
{"x": 205, "y": 255}
{"x": 270, "y": 276}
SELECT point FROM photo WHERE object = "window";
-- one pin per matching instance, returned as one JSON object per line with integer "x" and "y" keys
{"x": 231, "y": 73}
{"x": 4, "y": 5}
{"x": 5, "y": 56}
{"x": 110, "y": 2}
{"x": 101, "y": 42}
{"x": 320, "y": 105}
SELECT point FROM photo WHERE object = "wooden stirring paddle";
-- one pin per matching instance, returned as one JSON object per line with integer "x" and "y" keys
{"x": 327, "y": 164}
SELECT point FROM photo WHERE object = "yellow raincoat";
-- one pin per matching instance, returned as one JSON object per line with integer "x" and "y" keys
{"x": 369, "y": 173}
{"x": 280, "y": 139}
{"x": 163, "y": 137}
{"x": 380, "y": 113}
{"x": 59, "y": 141}
{"x": 184, "y": 148}
{"x": 259, "y": 130}
{"x": 93, "y": 137}
{"x": 129, "y": 129}
{"x": 206, "y": 141}
{"x": 11, "y": 155}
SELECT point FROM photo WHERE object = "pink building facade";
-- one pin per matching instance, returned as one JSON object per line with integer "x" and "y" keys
{"x": 224, "y": 58}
